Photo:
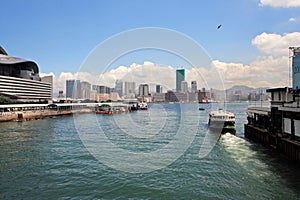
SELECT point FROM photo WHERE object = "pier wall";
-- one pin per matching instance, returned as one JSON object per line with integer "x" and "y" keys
{"x": 256, "y": 134}
{"x": 284, "y": 145}
{"x": 37, "y": 114}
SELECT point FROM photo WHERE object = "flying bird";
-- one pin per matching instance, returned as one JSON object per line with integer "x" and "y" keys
{"x": 219, "y": 26}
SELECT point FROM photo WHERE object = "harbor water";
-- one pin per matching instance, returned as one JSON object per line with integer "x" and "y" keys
{"x": 53, "y": 159}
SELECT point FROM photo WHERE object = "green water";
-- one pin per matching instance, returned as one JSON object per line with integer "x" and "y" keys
{"x": 46, "y": 159}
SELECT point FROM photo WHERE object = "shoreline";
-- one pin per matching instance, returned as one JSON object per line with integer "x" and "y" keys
{"x": 37, "y": 114}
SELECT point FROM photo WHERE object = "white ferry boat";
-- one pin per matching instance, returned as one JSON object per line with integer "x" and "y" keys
{"x": 222, "y": 121}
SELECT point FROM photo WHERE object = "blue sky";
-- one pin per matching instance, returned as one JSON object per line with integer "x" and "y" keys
{"x": 59, "y": 34}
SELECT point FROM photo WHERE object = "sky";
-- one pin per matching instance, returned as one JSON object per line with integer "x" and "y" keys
{"x": 250, "y": 48}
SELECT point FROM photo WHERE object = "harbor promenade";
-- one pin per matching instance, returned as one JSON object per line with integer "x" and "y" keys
{"x": 23, "y": 112}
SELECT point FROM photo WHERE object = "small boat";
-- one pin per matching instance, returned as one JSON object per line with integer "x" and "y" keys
{"x": 222, "y": 121}
{"x": 201, "y": 108}
{"x": 142, "y": 106}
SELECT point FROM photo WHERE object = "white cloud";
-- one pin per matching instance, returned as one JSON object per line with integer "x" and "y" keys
{"x": 292, "y": 19}
{"x": 271, "y": 69}
{"x": 280, "y": 3}
{"x": 276, "y": 44}
{"x": 265, "y": 71}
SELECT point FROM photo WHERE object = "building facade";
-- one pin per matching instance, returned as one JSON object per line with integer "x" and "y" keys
{"x": 85, "y": 90}
{"x": 125, "y": 88}
{"x": 194, "y": 86}
{"x": 295, "y": 67}
{"x": 72, "y": 89}
{"x": 158, "y": 89}
{"x": 180, "y": 76}
{"x": 184, "y": 87}
{"x": 20, "y": 80}
{"x": 143, "y": 90}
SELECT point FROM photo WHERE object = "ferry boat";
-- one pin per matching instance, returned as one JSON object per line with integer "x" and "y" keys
{"x": 222, "y": 121}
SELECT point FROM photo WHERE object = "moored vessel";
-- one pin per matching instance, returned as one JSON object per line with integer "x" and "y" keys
{"x": 142, "y": 106}
{"x": 110, "y": 109}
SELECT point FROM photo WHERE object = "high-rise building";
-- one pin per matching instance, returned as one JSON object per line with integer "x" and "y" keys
{"x": 158, "y": 89}
{"x": 194, "y": 86}
{"x": 119, "y": 88}
{"x": 129, "y": 88}
{"x": 72, "y": 89}
{"x": 144, "y": 90}
{"x": 296, "y": 67}
{"x": 100, "y": 89}
{"x": 85, "y": 90}
{"x": 48, "y": 79}
{"x": 184, "y": 87}
{"x": 180, "y": 76}
{"x": 124, "y": 88}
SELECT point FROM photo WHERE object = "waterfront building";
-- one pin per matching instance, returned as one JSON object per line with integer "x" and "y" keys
{"x": 158, "y": 97}
{"x": 101, "y": 89}
{"x": 69, "y": 88}
{"x": 171, "y": 96}
{"x": 20, "y": 80}
{"x": 184, "y": 87}
{"x": 295, "y": 55}
{"x": 278, "y": 126}
{"x": 204, "y": 96}
{"x": 180, "y": 76}
{"x": 143, "y": 90}
{"x": 192, "y": 97}
{"x": 73, "y": 89}
{"x": 158, "y": 89}
{"x": 129, "y": 89}
{"x": 85, "y": 90}
{"x": 125, "y": 88}
{"x": 96, "y": 88}
{"x": 48, "y": 79}
{"x": 119, "y": 88}
{"x": 194, "y": 86}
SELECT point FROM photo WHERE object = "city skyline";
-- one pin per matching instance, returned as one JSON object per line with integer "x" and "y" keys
{"x": 249, "y": 49}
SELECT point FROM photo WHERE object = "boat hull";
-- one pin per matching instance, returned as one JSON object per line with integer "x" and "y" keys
{"x": 222, "y": 127}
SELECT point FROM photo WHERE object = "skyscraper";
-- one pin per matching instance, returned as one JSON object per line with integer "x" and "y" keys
{"x": 85, "y": 90}
{"x": 119, "y": 88}
{"x": 125, "y": 88}
{"x": 72, "y": 89}
{"x": 158, "y": 89}
{"x": 184, "y": 87}
{"x": 129, "y": 88}
{"x": 194, "y": 86}
{"x": 143, "y": 90}
{"x": 180, "y": 76}
{"x": 296, "y": 67}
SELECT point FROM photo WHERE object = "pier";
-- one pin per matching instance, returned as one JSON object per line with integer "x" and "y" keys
{"x": 23, "y": 112}
{"x": 277, "y": 126}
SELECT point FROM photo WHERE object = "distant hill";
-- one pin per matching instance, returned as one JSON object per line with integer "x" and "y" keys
{"x": 241, "y": 93}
